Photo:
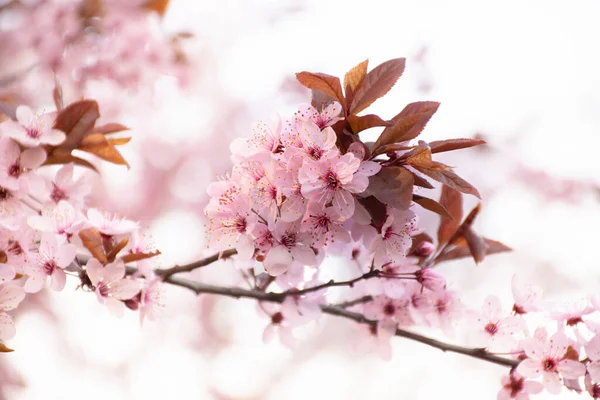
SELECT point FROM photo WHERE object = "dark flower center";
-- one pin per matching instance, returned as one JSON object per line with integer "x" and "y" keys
{"x": 491, "y": 328}
{"x": 4, "y": 193}
{"x": 515, "y": 386}
{"x": 15, "y": 170}
{"x": 574, "y": 321}
{"x": 102, "y": 289}
{"x": 549, "y": 365}
{"x": 14, "y": 247}
{"x": 277, "y": 318}
{"x": 33, "y": 133}
{"x": 315, "y": 153}
{"x": 288, "y": 240}
{"x": 57, "y": 194}
{"x": 331, "y": 180}
{"x": 49, "y": 267}
{"x": 389, "y": 309}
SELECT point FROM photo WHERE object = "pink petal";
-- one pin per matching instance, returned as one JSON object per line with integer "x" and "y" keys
{"x": 125, "y": 289}
{"x": 592, "y": 348}
{"x": 64, "y": 176}
{"x": 7, "y": 273}
{"x": 533, "y": 387}
{"x": 7, "y": 327}
{"x": 59, "y": 279}
{"x": 492, "y": 308}
{"x": 344, "y": 202}
{"x": 53, "y": 137}
{"x": 552, "y": 383}
{"x": 277, "y": 261}
{"x": 304, "y": 255}
{"x": 114, "y": 271}
{"x": 571, "y": 369}
{"x": 529, "y": 368}
{"x": 115, "y": 307}
{"x": 33, "y": 158}
{"x": 357, "y": 149}
{"x": 10, "y": 297}
{"x": 245, "y": 247}
{"x": 35, "y": 283}
{"x": 25, "y": 115}
{"x": 65, "y": 255}
{"x": 268, "y": 333}
{"x": 594, "y": 369}
{"x": 369, "y": 168}
{"x": 48, "y": 244}
{"x": 95, "y": 271}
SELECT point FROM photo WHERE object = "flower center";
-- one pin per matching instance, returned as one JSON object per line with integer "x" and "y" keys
{"x": 14, "y": 247}
{"x": 549, "y": 365}
{"x": 288, "y": 240}
{"x": 491, "y": 328}
{"x": 315, "y": 153}
{"x": 331, "y": 180}
{"x": 241, "y": 224}
{"x": 33, "y": 133}
{"x": 322, "y": 221}
{"x": 515, "y": 386}
{"x": 57, "y": 194}
{"x": 277, "y": 318}
{"x": 14, "y": 170}
{"x": 49, "y": 267}
{"x": 389, "y": 309}
{"x": 574, "y": 321}
{"x": 102, "y": 289}
{"x": 4, "y": 193}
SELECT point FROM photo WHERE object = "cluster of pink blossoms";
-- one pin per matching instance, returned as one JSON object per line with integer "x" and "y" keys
{"x": 292, "y": 196}
{"x": 47, "y": 229}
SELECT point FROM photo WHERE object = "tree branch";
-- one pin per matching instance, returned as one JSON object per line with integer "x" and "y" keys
{"x": 166, "y": 273}
{"x": 338, "y": 310}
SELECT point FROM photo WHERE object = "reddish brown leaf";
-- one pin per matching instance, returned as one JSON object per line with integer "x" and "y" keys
{"x": 421, "y": 182}
{"x": 139, "y": 256}
{"x": 76, "y": 120}
{"x": 492, "y": 247}
{"x": 5, "y": 349}
{"x": 112, "y": 254}
{"x": 408, "y": 124}
{"x": 328, "y": 84}
{"x": 377, "y": 83}
{"x": 89, "y": 9}
{"x": 59, "y": 157}
{"x": 452, "y": 200}
{"x": 320, "y": 100}
{"x": 109, "y": 128}
{"x": 439, "y": 146}
{"x": 392, "y": 186}
{"x": 356, "y": 75}
{"x": 92, "y": 240}
{"x": 420, "y": 157}
{"x": 119, "y": 141}
{"x": 359, "y": 124}
{"x": 159, "y": 6}
{"x": 451, "y": 179}
{"x": 476, "y": 244}
{"x": 377, "y": 210}
{"x": 431, "y": 205}
{"x": 388, "y": 148}
{"x": 98, "y": 145}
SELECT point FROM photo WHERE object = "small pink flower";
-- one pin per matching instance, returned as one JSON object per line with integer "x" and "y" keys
{"x": 331, "y": 180}
{"x": 265, "y": 143}
{"x": 324, "y": 225}
{"x": 10, "y": 297}
{"x": 289, "y": 246}
{"x": 64, "y": 187}
{"x": 51, "y": 259}
{"x": 394, "y": 240}
{"x": 383, "y": 308}
{"x": 327, "y": 117}
{"x": 61, "y": 219}
{"x": 316, "y": 144}
{"x": 16, "y": 166}
{"x": 494, "y": 329}
{"x": 32, "y": 130}
{"x": 375, "y": 338}
{"x": 110, "y": 284}
{"x": 110, "y": 224}
{"x": 548, "y": 358}
{"x": 516, "y": 387}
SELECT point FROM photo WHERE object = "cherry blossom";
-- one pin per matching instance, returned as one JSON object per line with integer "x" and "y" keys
{"x": 110, "y": 285}
{"x": 527, "y": 297}
{"x": 394, "y": 240}
{"x": 65, "y": 187}
{"x": 549, "y": 358}
{"x": 10, "y": 297}
{"x": 32, "y": 130}
{"x": 327, "y": 117}
{"x": 51, "y": 259}
{"x": 516, "y": 387}
{"x": 493, "y": 328}
{"x": 110, "y": 224}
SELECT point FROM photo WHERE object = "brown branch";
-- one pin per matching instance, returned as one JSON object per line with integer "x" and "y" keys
{"x": 338, "y": 310}
{"x": 166, "y": 273}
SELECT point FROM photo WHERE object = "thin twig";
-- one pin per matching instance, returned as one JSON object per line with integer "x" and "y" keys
{"x": 166, "y": 273}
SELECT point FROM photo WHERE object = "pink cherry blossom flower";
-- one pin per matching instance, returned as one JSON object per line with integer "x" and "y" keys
{"x": 316, "y": 144}
{"x": 61, "y": 219}
{"x": 231, "y": 219}
{"x": 267, "y": 196}
{"x": 51, "y": 259}
{"x": 439, "y": 309}
{"x": 394, "y": 240}
{"x": 64, "y": 187}
{"x": 327, "y": 117}
{"x": 591, "y": 387}
{"x": 18, "y": 245}
{"x": 283, "y": 318}
{"x": 10, "y": 297}
{"x": 264, "y": 144}
{"x": 331, "y": 180}
{"x": 110, "y": 224}
{"x": 572, "y": 313}
{"x": 289, "y": 246}
{"x": 324, "y": 225}
{"x": 548, "y": 358}
{"x": 11, "y": 206}
{"x": 148, "y": 301}
{"x": 294, "y": 205}
{"x": 516, "y": 387}
{"x": 32, "y": 130}
{"x": 110, "y": 285}
{"x": 383, "y": 308}
{"x": 15, "y": 166}
{"x": 375, "y": 338}
{"x": 492, "y": 328}
{"x": 527, "y": 297}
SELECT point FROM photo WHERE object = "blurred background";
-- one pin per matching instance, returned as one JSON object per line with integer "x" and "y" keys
{"x": 521, "y": 74}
